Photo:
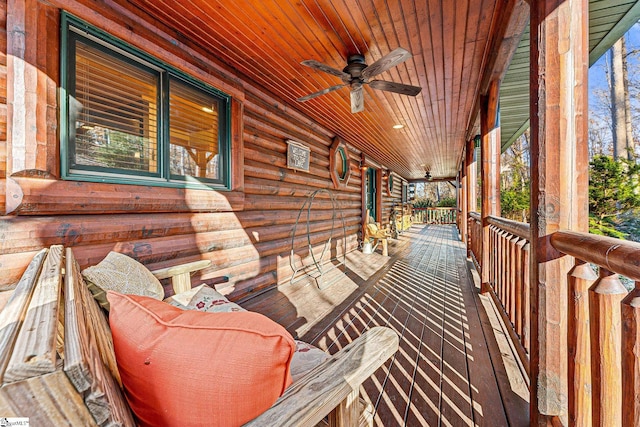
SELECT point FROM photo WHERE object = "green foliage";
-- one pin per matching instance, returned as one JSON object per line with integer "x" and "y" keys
{"x": 422, "y": 202}
{"x": 514, "y": 203}
{"x": 447, "y": 202}
{"x": 629, "y": 224}
{"x": 605, "y": 227}
{"x": 614, "y": 188}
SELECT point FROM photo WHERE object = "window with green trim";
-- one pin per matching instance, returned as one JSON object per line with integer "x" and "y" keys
{"x": 128, "y": 117}
{"x": 341, "y": 163}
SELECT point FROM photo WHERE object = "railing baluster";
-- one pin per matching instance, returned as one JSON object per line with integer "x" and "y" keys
{"x": 526, "y": 279}
{"x": 502, "y": 266}
{"x": 494, "y": 261}
{"x": 581, "y": 277}
{"x": 519, "y": 286}
{"x": 631, "y": 358}
{"x": 513, "y": 268}
{"x": 605, "y": 297}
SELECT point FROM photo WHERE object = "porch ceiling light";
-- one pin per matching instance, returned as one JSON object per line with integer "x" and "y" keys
{"x": 398, "y": 126}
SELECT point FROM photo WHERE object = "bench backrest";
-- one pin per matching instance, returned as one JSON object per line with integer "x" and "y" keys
{"x": 57, "y": 364}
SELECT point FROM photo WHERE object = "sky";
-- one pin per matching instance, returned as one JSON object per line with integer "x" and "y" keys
{"x": 597, "y": 76}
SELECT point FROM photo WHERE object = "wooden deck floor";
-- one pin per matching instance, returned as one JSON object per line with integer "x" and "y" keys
{"x": 443, "y": 373}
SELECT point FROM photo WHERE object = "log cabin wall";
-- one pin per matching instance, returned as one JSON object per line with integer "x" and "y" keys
{"x": 3, "y": 103}
{"x": 246, "y": 232}
{"x": 391, "y": 195}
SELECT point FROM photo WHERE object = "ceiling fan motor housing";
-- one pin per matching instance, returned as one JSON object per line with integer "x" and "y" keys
{"x": 355, "y": 66}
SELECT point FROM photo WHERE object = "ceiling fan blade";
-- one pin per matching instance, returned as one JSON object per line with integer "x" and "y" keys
{"x": 322, "y": 92}
{"x": 391, "y": 59}
{"x": 312, "y": 63}
{"x": 395, "y": 87}
{"x": 357, "y": 99}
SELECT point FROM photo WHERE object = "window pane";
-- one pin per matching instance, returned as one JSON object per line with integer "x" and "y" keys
{"x": 193, "y": 131}
{"x": 341, "y": 163}
{"x": 114, "y": 113}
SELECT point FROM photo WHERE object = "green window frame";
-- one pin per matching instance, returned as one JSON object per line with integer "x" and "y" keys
{"x": 341, "y": 163}
{"x": 127, "y": 117}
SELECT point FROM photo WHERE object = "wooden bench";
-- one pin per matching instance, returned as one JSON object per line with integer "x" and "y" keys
{"x": 58, "y": 368}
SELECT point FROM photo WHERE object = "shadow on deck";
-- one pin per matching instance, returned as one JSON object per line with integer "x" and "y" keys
{"x": 449, "y": 369}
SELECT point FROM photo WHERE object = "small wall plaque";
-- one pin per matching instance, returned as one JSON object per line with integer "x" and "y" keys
{"x": 297, "y": 156}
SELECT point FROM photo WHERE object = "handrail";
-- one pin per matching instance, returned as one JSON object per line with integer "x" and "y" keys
{"x": 520, "y": 229}
{"x": 618, "y": 256}
{"x": 475, "y": 215}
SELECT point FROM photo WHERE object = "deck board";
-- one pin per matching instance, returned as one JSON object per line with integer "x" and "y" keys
{"x": 442, "y": 374}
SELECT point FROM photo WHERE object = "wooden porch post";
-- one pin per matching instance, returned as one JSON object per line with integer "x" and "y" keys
{"x": 559, "y": 187}
{"x": 363, "y": 194}
{"x": 470, "y": 166}
{"x": 490, "y": 169}
{"x": 462, "y": 202}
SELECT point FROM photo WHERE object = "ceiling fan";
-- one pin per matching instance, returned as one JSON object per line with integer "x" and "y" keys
{"x": 357, "y": 73}
{"x": 427, "y": 172}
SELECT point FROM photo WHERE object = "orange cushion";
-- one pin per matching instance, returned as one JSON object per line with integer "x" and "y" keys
{"x": 190, "y": 368}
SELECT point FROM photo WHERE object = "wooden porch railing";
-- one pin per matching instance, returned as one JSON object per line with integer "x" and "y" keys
{"x": 603, "y": 330}
{"x": 474, "y": 234}
{"x": 509, "y": 275}
{"x": 435, "y": 215}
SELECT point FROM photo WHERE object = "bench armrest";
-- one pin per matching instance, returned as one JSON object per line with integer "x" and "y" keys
{"x": 331, "y": 385}
{"x": 180, "y": 275}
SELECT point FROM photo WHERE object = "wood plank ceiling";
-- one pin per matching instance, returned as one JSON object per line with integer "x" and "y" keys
{"x": 265, "y": 41}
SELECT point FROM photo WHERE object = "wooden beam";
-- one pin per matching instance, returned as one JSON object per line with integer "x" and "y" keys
{"x": 509, "y": 23}
{"x": 490, "y": 167}
{"x": 559, "y": 182}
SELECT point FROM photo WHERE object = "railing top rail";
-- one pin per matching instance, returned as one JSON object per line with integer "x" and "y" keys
{"x": 618, "y": 256}
{"x": 436, "y": 208}
{"x": 475, "y": 215}
{"x": 520, "y": 229}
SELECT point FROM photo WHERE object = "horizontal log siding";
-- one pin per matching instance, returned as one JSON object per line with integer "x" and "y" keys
{"x": 269, "y": 184}
{"x": 3, "y": 105}
{"x": 388, "y": 200}
{"x": 246, "y": 234}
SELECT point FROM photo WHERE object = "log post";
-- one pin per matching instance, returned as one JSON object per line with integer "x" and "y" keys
{"x": 605, "y": 297}
{"x": 631, "y": 357}
{"x": 461, "y": 219}
{"x": 559, "y": 187}
{"x": 490, "y": 169}
{"x": 581, "y": 277}
{"x": 470, "y": 175}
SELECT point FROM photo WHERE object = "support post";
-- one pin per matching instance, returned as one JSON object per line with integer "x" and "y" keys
{"x": 490, "y": 169}
{"x": 463, "y": 221}
{"x": 559, "y": 188}
{"x": 470, "y": 165}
